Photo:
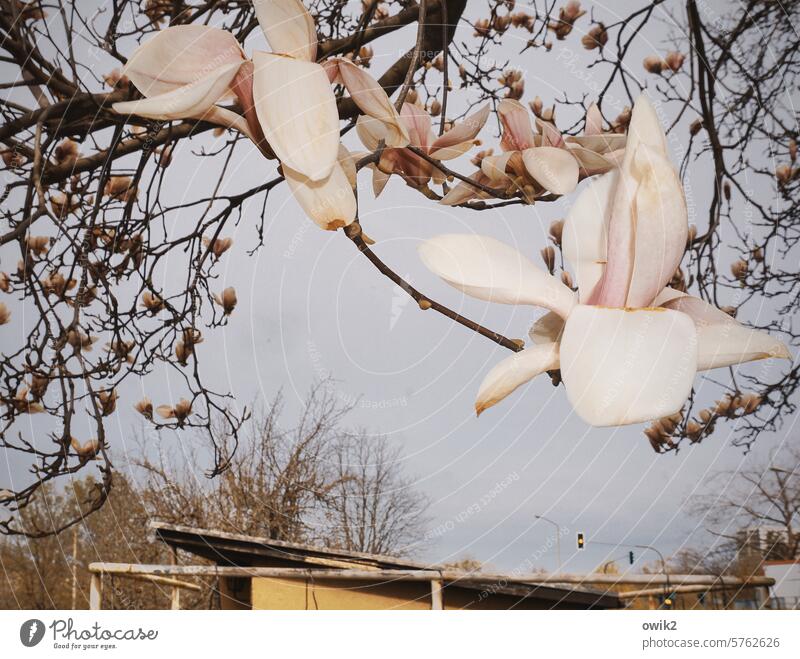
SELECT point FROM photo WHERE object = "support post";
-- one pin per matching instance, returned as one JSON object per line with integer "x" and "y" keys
{"x": 96, "y": 592}
{"x": 437, "y": 600}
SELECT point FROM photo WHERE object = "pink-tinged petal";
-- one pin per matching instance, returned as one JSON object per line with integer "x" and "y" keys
{"x": 372, "y": 100}
{"x": 594, "y": 121}
{"x": 180, "y": 55}
{"x": 554, "y": 169}
{"x": 514, "y": 371}
{"x": 721, "y": 340}
{"x": 289, "y": 28}
{"x": 418, "y": 125}
{"x": 547, "y": 329}
{"x": 348, "y": 164}
{"x": 661, "y": 226}
{"x": 190, "y": 101}
{"x": 329, "y": 202}
{"x": 494, "y": 167}
{"x": 370, "y": 131}
{"x": 518, "y": 134}
{"x": 490, "y": 270}
{"x": 379, "y": 180}
{"x": 550, "y": 134}
{"x": 242, "y": 87}
{"x": 463, "y": 132}
{"x": 297, "y": 112}
{"x": 590, "y": 162}
{"x": 229, "y": 119}
{"x": 585, "y": 234}
{"x": 331, "y": 67}
{"x": 451, "y": 152}
{"x": 464, "y": 192}
{"x": 599, "y": 143}
{"x": 645, "y": 131}
{"x": 623, "y": 366}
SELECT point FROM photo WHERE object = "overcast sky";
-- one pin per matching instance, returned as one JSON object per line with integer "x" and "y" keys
{"x": 310, "y": 306}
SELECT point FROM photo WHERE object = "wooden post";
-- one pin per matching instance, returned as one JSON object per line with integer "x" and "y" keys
{"x": 96, "y": 592}
{"x": 175, "y": 603}
{"x": 437, "y": 600}
{"x": 74, "y": 566}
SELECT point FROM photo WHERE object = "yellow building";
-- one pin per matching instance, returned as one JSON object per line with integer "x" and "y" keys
{"x": 259, "y": 573}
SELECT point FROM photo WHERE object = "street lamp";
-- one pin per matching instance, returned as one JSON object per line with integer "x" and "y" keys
{"x": 558, "y": 536}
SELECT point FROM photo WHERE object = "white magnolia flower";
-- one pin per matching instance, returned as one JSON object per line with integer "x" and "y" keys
{"x": 286, "y": 97}
{"x": 628, "y": 346}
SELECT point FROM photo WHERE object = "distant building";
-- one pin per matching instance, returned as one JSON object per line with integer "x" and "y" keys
{"x": 786, "y": 591}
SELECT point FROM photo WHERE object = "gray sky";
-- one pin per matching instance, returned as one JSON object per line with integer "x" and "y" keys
{"x": 310, "y": 305}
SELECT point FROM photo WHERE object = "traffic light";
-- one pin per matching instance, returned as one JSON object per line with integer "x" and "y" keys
{"x": 630, "y": 557}
{"x": 581, "y": 541}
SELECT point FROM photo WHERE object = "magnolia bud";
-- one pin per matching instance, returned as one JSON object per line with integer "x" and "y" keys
{"x": 793, "y": 150}
{"x": 436, "y": 108}
{"x": 739, "y": 269}
{"x": 566, "y": 279}
{"x": 556, "y": 230}
{"x": 536, "y": 106}
{"x": 783, "y": 173}
{"x": 5, "y": 314}
{"x": 674, "y": 60}
{"x": 726, "y": 190}
{"x": 227, "y": 300}
{"x": 596, "y": 37}
{"x": 653, "y": 64}
{"x": 548, "y": 255}
{"x": 482, "y": 27}
{"x": 695, "y": 126}
{"x": 145, "y": 408}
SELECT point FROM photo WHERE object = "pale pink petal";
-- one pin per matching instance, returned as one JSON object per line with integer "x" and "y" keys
{"x": 464, "y": 192}
{"x": 180, "y": 55}
{"x": 585, "y": 233}
{"x": 379, "y": 180}
{"x": 623, "y": 366}
{"x": 550, "y": 134}
{"x": 723, "y": 341}
{"x": 189, "y": 101}
{"x": 463, "y": 132}
{"x": 599, "y": 143}
{"x": 330, "y": 202}
{"x": 514, "y": 371}
{"x": 289, "y": 28}
{"x": 661, "y": 226}
{"x": 494, "y": 167}
{"x": 594, "y": 121}
{"x": 297, "y": 111}
{"x": 590, "y": 162}
{"x": 488, "y": 269}
{"x": 370, "y": 131}
{"x": 372, "y": 100}
{"x": 418, "y": 125}
{"x": 518, "y": 134}
{"x": 554, "y": 169}
{"x": 645, "y": 129}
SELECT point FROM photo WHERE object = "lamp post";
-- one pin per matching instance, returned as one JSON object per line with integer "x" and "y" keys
{"x": 558, "y": 536}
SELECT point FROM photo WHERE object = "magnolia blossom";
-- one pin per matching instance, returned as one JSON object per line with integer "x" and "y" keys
{"x": 537, "y": 162}
{"x": 627, "y": 345}
{"x": 416, "y": 170}
{"x": 288, "y": 104}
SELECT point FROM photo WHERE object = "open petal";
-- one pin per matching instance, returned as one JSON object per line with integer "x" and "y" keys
{"x": 495, "y": 168}
{"x": 624, "y": 366}
{"x": 550, "y": 134}
{"x": 594, "y": 121}
{"x": 461, "y": 134}
{"x": 180, "y": 55}
{"x": 488, "y": 269}
{"x": 370, "y": 131}
{"x": 592, "y": 163}
{"x": 656, "y": 226}
{"x": 289, "y": 27}
{"x": 297, "y": 111}
{"x": 330, "y": 202}
{"x": 585, "y": 234}
{"x": 372, "y": 100}
{"x": 464, "y": 192}
{"x": 189, "y": 101}
{"x": 554, "y": 169}
{"x": 661, "y": 226}
{"x": 517, "y": 131}
{"x": 721, "y": 340}
{"x": 418, "y": 124}
{"x": 599, "y": 143}
{"x": 513, "y": 371}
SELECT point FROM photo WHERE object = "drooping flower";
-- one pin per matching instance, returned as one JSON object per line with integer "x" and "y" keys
{"x": 535, "y": 163}
{"x": 627, "y": 345}
{"x": 288, "y": 104}
{"x": 417, "y": 171}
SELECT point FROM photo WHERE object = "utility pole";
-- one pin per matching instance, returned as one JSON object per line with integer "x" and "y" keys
{"x": 74, "y": 566}
{"x": 558, "y": 537}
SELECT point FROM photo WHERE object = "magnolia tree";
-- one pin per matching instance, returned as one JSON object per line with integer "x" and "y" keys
{"x": 634, "y": 294}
